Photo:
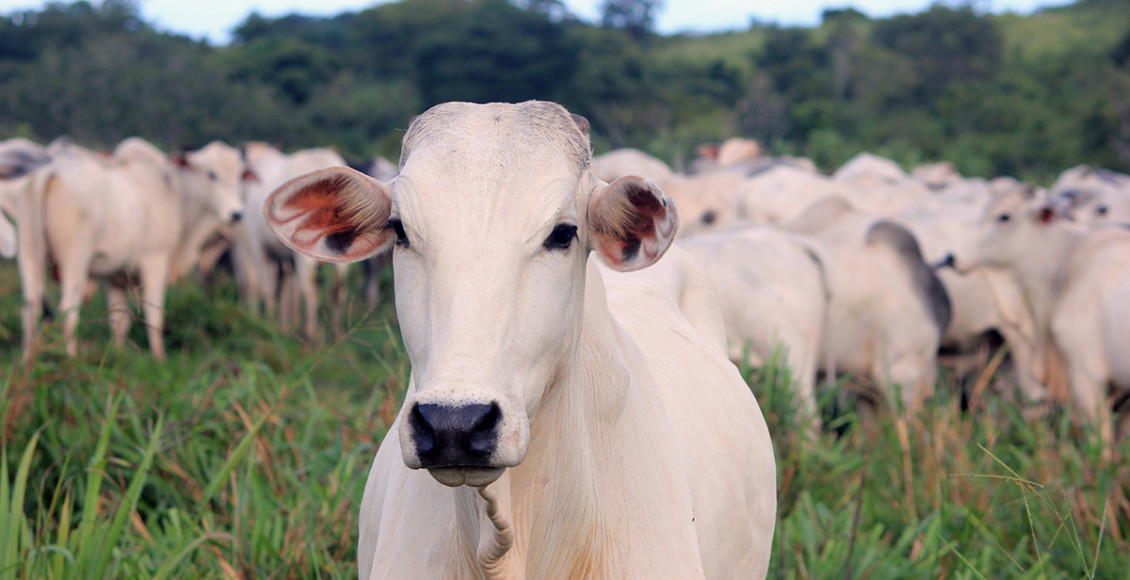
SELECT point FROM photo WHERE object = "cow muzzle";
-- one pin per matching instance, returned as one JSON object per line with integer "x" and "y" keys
{"x": 462, "y": 435}
{"x": 455, "y": 436}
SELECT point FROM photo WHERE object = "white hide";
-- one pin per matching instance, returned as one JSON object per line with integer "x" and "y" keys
{"x": 625, "y": 445}
{"x": 1091, "y": 323}
{"x": 883, "y": 322}
{"x": 623, "y": 162}
{"x": 774, "y": 298}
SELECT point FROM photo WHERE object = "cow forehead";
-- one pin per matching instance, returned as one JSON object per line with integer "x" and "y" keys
{"x": 218, "y": 157}
{"x": 490, "y": 203}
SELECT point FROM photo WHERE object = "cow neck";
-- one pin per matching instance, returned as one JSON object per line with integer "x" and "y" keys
{"x": 1043, "y": 280}
{"x": 545, "y": 518}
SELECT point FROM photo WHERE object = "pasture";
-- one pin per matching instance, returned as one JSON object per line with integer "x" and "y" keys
{"x": 245, "y": 456}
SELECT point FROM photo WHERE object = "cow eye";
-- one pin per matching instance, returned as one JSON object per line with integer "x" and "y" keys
{"x": 398, "y": 228}
{"x": 1004, "y": 217}
{"x": 1101, "y": 210}
{"x": 561, "y": 237}
{"x": 212, "y": 175}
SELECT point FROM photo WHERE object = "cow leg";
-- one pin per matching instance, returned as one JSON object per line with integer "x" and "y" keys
{"x": 1024, "y": 362}
{"x": 154, "y": 279}
{"x": 73, "y": 279}
{"x": 287, "y": 307}
{"x": 306, "y": 274}
{"x": 117, "y": 309}
{"x": 32, "y": 264}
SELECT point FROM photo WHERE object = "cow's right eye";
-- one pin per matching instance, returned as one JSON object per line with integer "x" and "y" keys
{"x": 1004, "y": 217}
{"x": 398, "y": 228}
{"x": 561, "y": 237}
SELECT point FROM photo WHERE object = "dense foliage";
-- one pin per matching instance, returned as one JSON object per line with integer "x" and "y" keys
{"x": 1024, "y": 96}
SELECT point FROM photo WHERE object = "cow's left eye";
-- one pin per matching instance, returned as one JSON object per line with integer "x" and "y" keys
{"x": 561, "y": 237}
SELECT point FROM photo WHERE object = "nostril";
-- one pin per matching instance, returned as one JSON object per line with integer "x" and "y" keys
{"x": 482, "y": 435}
{"x": 236, "y": 216}
{"x": 422, "y": 432}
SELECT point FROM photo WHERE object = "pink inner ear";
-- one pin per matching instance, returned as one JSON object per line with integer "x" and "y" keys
{"x": 1047, "y": 214}
{"x": 319, "y": 209}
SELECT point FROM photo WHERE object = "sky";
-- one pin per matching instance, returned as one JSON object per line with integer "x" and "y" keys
{"x": 215, "y": 19}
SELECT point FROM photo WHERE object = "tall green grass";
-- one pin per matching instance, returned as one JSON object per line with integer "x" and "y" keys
{"x": 245, "y": 456}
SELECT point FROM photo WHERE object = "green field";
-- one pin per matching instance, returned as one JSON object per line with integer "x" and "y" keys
{"x": 246, "y": 454}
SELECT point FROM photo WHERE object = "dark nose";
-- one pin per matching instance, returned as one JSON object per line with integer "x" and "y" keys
{"x": 236, "y": 216}
{"x": 946, "y": 262}
{"x": 462, "y": 436}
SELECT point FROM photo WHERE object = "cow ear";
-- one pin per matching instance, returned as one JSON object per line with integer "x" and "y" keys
{"x": 1045, "y": 215}
{"x": 631, "y": 222}
{"x": 334, "y": 215}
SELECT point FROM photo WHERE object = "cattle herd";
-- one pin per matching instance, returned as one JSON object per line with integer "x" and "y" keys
{"x": 569, "y": 416}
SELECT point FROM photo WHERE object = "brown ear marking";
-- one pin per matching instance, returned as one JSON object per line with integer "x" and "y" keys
{"x": 625, "y": 220}
{"x": 332, "y": 214}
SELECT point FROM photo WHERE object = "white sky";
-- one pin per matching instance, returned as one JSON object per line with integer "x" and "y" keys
{"x": 216, "y": 18}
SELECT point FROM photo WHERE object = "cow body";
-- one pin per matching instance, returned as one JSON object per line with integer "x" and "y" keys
{"x": 271, "y": 273}
{"x": 774, "y": 299}
{"x": 118, "y": 219}
{"x": 573, "y": 422}
{"x": 888, "y": 310}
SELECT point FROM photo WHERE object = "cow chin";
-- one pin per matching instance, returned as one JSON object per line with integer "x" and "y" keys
{"x": 469, "y": 476}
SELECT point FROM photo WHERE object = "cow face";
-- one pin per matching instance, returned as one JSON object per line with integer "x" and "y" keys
{"x": 216, "y": 173}
{"x": 490, "y": 221}
{"x": 1012, "y": 224}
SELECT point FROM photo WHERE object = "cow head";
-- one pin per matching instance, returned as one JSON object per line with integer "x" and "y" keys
{"x": 216, "y": 174}
{"x": 1012, "y": 224}
{"x": 491, "y": 221}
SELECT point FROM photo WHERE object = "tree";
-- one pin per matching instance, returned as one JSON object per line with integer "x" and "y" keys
{"x": 496, "y": 52}
{"x": 636, "y": 17}
{"x": 945, "y": 45}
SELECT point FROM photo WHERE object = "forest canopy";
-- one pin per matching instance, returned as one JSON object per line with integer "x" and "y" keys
{"x": 1026, "y": 96}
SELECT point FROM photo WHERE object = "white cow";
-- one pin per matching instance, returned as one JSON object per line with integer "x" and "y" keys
{"x": 119, "y": 219}
{"x": 260, "y": 256}
{"x": 773, "y": 294}
{"x": 888, "y": 310}
{"x": 573, "y": 422}
{"x": 1076, "y": 281}
{"x": 1092, "y": 196}
{"x": 983, "y": 300}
